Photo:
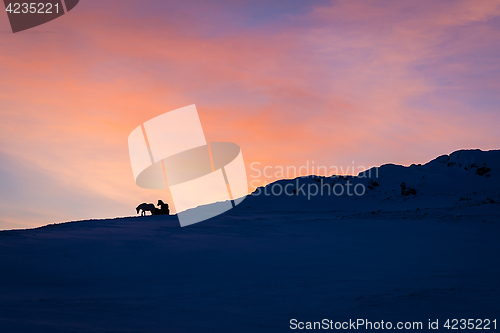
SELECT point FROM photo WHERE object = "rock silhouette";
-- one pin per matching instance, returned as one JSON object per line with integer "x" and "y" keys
{"x": 163, "y": 210}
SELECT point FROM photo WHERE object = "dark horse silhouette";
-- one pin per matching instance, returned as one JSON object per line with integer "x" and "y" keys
{"x": 144, "y": 207}
{"x": 163, "y": 210}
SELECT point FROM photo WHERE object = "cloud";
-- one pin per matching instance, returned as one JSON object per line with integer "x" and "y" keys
{"x": 373, "y": 82}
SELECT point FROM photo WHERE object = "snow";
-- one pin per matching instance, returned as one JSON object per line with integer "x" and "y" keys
{"x": 381, "y": 256}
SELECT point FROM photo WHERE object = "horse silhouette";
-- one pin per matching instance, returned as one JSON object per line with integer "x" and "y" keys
{"x": 163, "y": 210}
{"x": 146, "y": 208}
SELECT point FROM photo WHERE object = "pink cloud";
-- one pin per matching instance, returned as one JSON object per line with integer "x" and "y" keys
{"x": 348, "y": 81}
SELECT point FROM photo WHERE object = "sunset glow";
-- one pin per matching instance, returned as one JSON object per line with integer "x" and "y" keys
{"x": 340, "y": 83}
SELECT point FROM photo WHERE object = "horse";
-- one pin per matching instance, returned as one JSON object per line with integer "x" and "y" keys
{"x": 163, "y": 210}
{"x": 146, "y": 207}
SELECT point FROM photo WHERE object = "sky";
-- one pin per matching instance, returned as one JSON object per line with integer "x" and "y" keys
{"x": 330, "y": 83}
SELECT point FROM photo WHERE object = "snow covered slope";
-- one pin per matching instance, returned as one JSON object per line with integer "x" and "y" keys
{"x": 391, "y": 254}
{"x": 464, "y": 181}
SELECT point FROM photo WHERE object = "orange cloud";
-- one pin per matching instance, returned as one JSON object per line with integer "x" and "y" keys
{"x": 372, "y": 82}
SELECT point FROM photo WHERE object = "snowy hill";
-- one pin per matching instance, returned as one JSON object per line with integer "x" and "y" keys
{"x": 464, "y": 182}
{"x": 425, "y": 251}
